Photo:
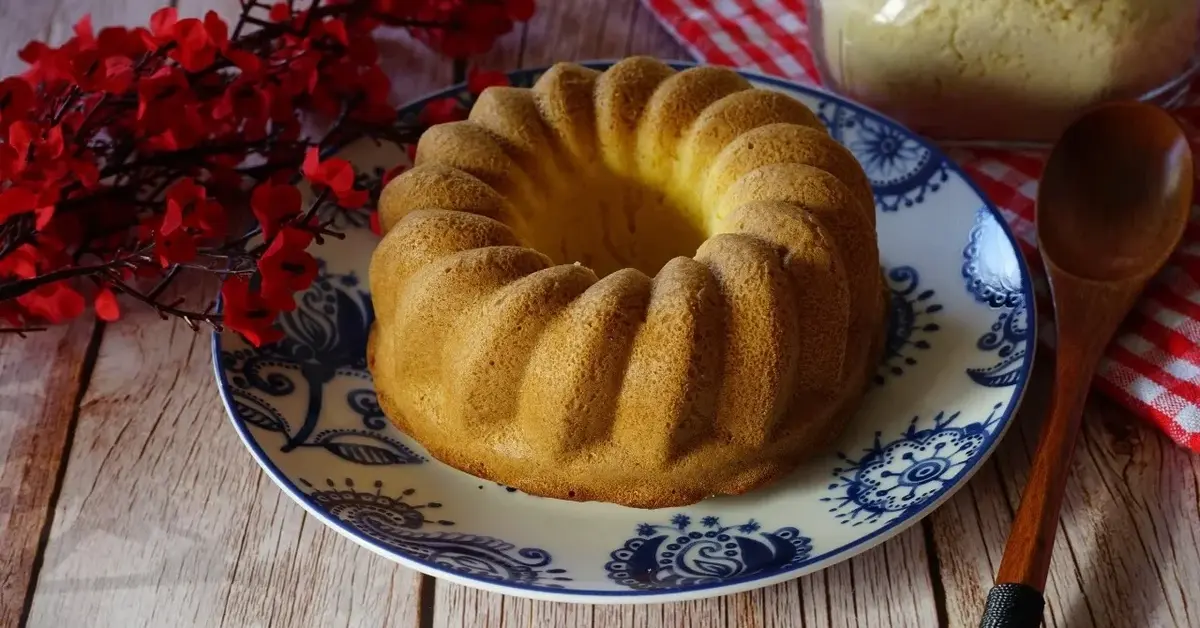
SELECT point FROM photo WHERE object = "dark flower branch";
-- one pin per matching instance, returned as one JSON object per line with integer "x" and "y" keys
{"x": 129, "y": 157}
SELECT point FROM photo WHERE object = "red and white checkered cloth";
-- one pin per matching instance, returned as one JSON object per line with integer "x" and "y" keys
{"x": 1153, "y": 366}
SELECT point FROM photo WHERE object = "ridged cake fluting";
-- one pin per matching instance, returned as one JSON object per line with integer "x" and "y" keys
{"x": 638, "y": 286}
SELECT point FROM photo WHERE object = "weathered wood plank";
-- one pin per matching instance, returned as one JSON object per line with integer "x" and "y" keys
{"x": 41, "y": 375}
{"x": 584, "y": 30}
{"x": 1127, "y": 549}
{"x": 164, "y": 519}
{"x": 466, "y": 607}
{"x": 40, "y": 379}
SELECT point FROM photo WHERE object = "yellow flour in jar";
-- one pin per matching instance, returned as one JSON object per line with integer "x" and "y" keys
{"x": 1000, "y": 69}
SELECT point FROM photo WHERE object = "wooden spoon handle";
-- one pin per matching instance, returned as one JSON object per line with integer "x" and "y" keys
{"x": 1027, "y": 555}
{"x": 1016, "y": 600}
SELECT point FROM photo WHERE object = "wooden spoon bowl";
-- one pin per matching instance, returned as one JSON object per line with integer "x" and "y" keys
{"x": 1115, "y": 193}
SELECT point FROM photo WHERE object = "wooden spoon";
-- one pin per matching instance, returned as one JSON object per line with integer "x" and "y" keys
{"x": 1112, "y": 205}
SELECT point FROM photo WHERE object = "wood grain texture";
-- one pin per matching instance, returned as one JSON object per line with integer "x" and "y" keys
{"x": 1127, "y": 551}
{"x": 164, "y": 519}
{"x": 597, "y": 30}
{"x": 40, "y": 376}
{"x": 40, "y": 379}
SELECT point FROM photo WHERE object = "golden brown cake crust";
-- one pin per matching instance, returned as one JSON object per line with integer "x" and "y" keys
{"x": 739, "y": 342}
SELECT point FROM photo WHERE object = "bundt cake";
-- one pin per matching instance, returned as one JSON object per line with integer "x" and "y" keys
{"x": 637, "y": 286}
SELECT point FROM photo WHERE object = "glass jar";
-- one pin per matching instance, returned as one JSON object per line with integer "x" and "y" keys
{"x": 1008, "y": 70}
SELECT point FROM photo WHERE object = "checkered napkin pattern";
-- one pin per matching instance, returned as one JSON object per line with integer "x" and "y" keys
{"x": 1152, "y": 367}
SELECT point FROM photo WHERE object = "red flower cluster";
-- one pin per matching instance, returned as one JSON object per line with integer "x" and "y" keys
{"x": 127, "y": 154}
{"x": 478, "y": 24}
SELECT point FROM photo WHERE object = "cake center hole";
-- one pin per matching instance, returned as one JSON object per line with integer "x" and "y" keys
{"x": 610, "y": 222}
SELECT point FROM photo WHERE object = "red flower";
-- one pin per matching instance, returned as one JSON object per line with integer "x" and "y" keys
{"x": 479, "y": 80}
{"x": 335, "y": 174}
{"x": 188, "y": 207}
{"x": 245, "y": 100}
{"x": 172, "y": 220}
{"x": 184, "y": 126}
{"x": 162, "y": 25}
{"x": 195, "y": 50}
{"x": 20, "y": 139}
{"x": 20, "y": 263}
{"x": 248, "y": 313}
{"x": 44, "y": 214}
{"x": 16, "y": 100}
{"x": 16, "y": 200}
{"x": 217, "y": 29}
{"x": 197, "y": 42}
{"x": 116, "y": 41}
{"x": 334, "y": 28}
{"x": 54, "y": 302}
{"x": 46, "y": 64}
{"x": 519, "y": 10}
{"x": 118, "y": 75}
{"x": 174, "y": 247}
{"x": 280, "y": 12}
{"x": 11, "y": 312}
{"x": 184, "y": 192}
{"x": 51, "y": 144}
{"x": 208, "y": 219}
{"x": 363, "y": 51}
{"x": 165, "y": 90}
{"x": 442, "y": 110}
{"x": 106, "y": 305}
{"x": 84, "y": 35}
{"x": 273, "y": 204}
{"x": 287, "y": 268}
{"x": 86, "y": 171}
{"x": 353, "y": 199}
{"x": 247, "y": 62}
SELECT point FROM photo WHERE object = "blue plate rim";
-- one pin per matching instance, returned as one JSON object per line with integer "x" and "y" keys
{"x": 732, "y": 585}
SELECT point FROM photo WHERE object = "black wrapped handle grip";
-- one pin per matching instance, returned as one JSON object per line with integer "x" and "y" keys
{"x": 1012, "y": 605}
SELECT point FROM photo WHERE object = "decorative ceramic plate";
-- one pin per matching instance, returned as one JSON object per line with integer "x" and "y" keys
{"x": 960, "y": 346}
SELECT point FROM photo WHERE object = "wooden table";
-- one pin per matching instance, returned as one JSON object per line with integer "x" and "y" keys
{"x": 127, "y": 500}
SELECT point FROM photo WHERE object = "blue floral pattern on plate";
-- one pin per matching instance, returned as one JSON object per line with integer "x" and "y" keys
{"x": 682, "y": 554}
{"x": 399, "y": 524}
{"x": 996, "y": 280}
{"x": 325, "y": 338}
{"x": 911, "y": 319}
{"x": 901, "y": 476}
{"x": 903, "y": 170}
{"x": 306, "y": 408}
